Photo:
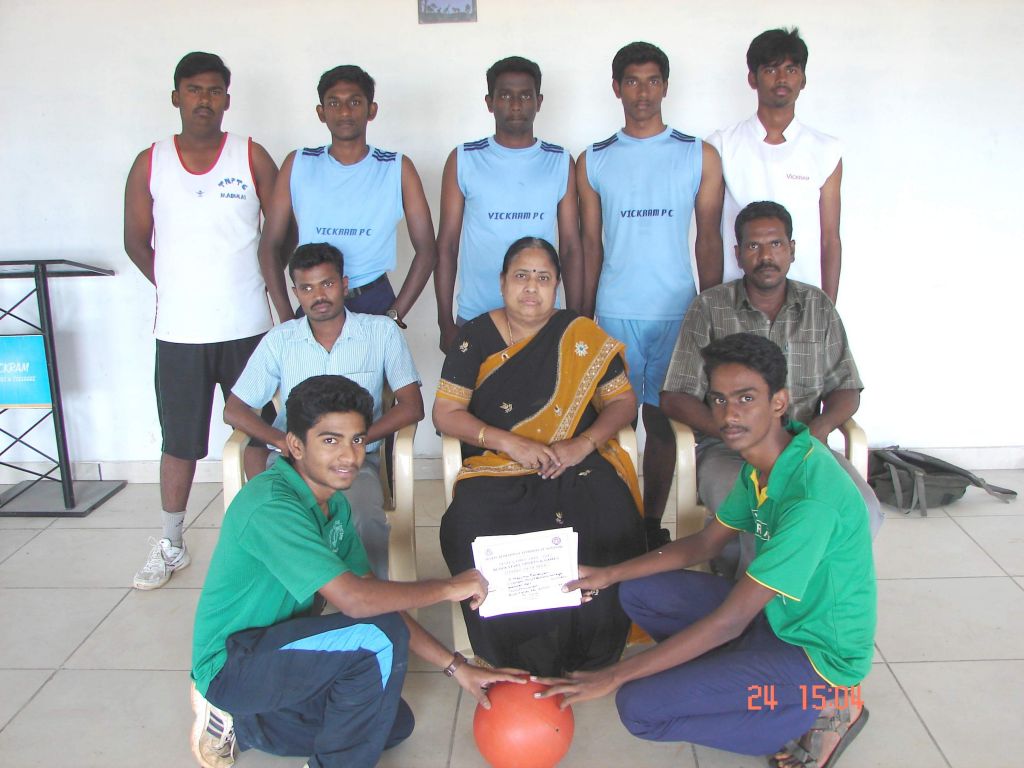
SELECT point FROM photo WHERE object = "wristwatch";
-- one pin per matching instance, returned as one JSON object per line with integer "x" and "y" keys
{"x": 393, "y": 314}
{"x": 457, "y": 662}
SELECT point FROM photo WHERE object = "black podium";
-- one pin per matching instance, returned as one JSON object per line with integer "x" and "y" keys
{"x": 46, "y": 495}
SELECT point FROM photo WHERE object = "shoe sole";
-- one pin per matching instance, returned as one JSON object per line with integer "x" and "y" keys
{"x": 146, "y": 587}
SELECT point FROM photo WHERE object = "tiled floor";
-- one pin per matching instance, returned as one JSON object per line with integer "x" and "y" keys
{"x": 94, "y": 674}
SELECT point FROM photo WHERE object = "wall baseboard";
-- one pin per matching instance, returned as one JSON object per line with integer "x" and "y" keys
{"x": 429, "y": 467}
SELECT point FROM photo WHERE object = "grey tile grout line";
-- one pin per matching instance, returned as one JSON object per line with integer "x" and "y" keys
{"x": 693, "y": 751}
{"x": 920, "y": 719}
{"x": 27, "y": 541}
{"x": 60, "y": 667}
{"x": 31, "y": 698}
{"x": 979, "y": 546}
{"x": 455, "y": 725}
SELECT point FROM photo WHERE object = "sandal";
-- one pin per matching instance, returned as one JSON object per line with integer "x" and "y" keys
{"x": 838, "y": 722}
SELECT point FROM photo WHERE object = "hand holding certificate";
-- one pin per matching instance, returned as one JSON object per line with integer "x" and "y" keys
{"x": 526, "y": 572}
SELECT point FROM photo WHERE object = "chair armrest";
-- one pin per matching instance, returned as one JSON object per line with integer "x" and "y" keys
{"x": 689, "y": 514}
{"x": 402, "y": 540}
{"x": 232, "y": 465}
{"x": 856, "y": 446}
{"x": 451, "y": 463}
{"x": 627, "y": 439}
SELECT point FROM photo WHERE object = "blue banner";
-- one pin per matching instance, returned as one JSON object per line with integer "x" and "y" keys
{"x": 23, "y": 379}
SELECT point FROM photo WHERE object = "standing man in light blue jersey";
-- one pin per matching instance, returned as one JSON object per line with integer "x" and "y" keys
{"x": 638, "y": 188}
{"x": 497, "y": 190}
{"x": 351, "y": 195}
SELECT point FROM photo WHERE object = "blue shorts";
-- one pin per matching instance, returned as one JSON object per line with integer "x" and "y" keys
{"x": 649, "y": 345}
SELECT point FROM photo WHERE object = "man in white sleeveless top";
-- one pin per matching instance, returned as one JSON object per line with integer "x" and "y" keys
{"x": 191, "y": 225}
{"x": 773, "y": 156}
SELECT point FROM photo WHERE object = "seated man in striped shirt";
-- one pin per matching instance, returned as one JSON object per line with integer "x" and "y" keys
{"x": 368, "y": 349}
{"x": 823, "y": 382}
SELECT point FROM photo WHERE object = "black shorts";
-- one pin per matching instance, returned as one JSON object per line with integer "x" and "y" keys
{"x": 185, "y": 378}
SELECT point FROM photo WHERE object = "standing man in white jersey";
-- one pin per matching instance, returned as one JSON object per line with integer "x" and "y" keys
{"x": 351, "y": 195}
{"x": 773, "y": 156}
{"x": 497, "y": 190}
{"x": 191, "y": 225}
{"x": 639, "y": 188}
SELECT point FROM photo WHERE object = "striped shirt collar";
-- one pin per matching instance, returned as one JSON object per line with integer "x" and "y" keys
{"x": 352, "y": 328}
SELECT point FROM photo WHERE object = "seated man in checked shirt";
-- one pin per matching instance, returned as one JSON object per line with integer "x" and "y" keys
{"x": 331, "y": 340}
{"x": 823, "y": 382}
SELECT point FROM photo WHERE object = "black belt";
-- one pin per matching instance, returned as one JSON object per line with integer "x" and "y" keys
{"x": 353, "y": 292}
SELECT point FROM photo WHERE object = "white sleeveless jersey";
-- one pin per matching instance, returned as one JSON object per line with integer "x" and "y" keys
{"x": 205, "y": 233}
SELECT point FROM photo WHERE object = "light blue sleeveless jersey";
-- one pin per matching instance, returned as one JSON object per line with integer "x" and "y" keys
{"x": 355, "y": 208}
{"x": 510, "y": 193}
{"x": 647, "y": 188}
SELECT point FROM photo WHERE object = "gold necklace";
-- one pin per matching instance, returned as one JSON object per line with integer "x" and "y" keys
{"x": 508, "y": 324}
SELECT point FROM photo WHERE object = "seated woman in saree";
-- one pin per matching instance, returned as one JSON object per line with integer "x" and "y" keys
{"x": 536, "y": 395}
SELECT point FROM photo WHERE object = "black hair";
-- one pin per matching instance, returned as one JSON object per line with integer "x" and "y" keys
{"x": 312, "y": 255}
{"x": 198, "y": 63}
{"x": 346, "y": 73}
{"x": 512, "y": 64}
{"x": 755, "y": 352}
{"x": 638, "y": 53}
{"x": 774, "y": 47}
{"x": 317, "y": 396}
{"x": 522, "y": 244}
{"x": 763, "y": 209}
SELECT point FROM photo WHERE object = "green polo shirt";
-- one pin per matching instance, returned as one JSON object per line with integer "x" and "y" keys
{"x": 814, "y": 549}
{"x": 276, "y": 549}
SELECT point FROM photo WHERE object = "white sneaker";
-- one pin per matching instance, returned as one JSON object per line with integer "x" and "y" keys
{"x": 213, "y": 734}
{"x": 164, "y": 559}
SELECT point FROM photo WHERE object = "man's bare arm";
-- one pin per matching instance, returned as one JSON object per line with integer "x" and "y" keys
{"x": 836, "y": 407}
{"x": 570, "y": 247}
{"x": 240, "y": 416}
{"x": 421, "y": 234}
{"x": 359, "y": 598}
{"x": 708, "y": 214}
{"x": 690, "y": 410}
{"x": 276, "y": 231}
{"x": 590, "y": 233}
{"x": 408, "y": 409}
{"x": 449, "y": 232}
{"x": 138, "y": 216}
{"x": 831, "y": 245}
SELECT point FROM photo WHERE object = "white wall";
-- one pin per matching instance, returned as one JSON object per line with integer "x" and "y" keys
{"x": 925, "y": 95}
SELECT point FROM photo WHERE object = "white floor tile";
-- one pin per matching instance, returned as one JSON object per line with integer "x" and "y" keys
{"x": 150, "y": 630}
{"x": 42, "y": 627}
{"x": 893, "y": 735}
{"x": 137, "y": 505}
{"x": 12, "y": 540}
{"x": 433, "y": 698}
{"x": 17, "y": 686}
{"x": 1001, "y": 537}
{"x": 929, "y": 547}
{"x": 972, "y": 708}
{"x": 949, "y": 619}
{"x": 83, "y": 557}
{"x": 114, "y": 719}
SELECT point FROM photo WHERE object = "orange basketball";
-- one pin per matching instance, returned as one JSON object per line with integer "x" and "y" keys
{"x": 519, "y": 731}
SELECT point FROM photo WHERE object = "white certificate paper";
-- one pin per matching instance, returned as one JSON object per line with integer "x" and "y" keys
{"x": 526, "y": 572}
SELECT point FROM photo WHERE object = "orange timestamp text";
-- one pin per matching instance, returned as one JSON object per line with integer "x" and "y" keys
{"x": 816, "y": 697}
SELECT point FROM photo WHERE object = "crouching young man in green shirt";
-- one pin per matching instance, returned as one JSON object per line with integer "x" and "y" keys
{"x": 776, "y": 659}
{"x": 269, "y": 672}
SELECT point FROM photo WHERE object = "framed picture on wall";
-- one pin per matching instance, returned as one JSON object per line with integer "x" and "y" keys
{"x": 446, "y": 11}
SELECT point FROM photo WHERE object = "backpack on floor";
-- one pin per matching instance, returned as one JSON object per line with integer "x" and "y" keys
{"x": 910, "y": 480}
